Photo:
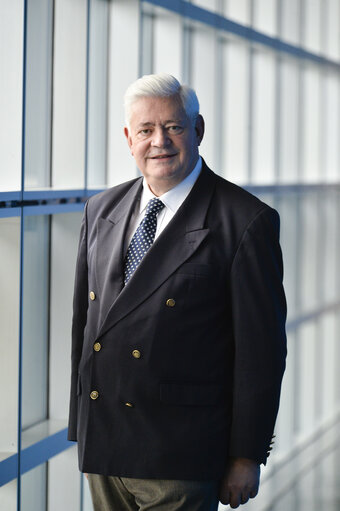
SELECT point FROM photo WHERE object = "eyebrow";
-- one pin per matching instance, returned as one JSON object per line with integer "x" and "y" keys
{"x": 148, "y": 123}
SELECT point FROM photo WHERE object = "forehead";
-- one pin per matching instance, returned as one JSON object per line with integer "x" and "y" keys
{"x": 157, "y": 109}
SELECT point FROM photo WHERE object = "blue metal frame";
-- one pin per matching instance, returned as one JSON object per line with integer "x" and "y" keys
{"x": 42, "y": 451}
{"x": 23, "y": 140}
{"x": 217, "y": 21}
{"x": 8, "y": 212}
{"x": 9, "y": 469}
{"x": 32, "y": 456}
{"x": 10, "y": 196}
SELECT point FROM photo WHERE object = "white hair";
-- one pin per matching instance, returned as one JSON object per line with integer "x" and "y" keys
{"x": 161, "y": 85}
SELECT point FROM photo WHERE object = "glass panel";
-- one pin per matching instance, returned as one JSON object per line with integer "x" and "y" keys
{"x": 312, "y": 16}
{"x": 97, "y": 95}
{"x": 308, "y": 253}
{"x": 69, "y": 94}
{"x": 263, "y": 118}
{"x": 8, "y": 496}
{"x": 332, "y": 29}
{"x": 38, "y": 93}
{"x": 238, "y": 10}
{"x": 328, "y": 342}
{"x": 331, "y": 109}
{"x": 64, "y": 245}
{"x": 33, "y": 489}
{"x": 311, "y": 125}
{"x": 210, "y": 5}
{"x": 288, "y": 122}
{"x": 307, "y": 490}
{"x": 11, "y": 46}
{"x": 337, "y": 358}
{"x": 265, "y": 16}
{"x": 290, "y": 21}
{"x": 285, "y": 421}
{"x": 306, "y": 379}
{"x": 63, "y": 473}
{"x": 167, "y": 44}
{"x": 203, "y": 66}
{"x": 330, "y": 233}
{"x": 35, "y": 320}
{"x": 147, "y": 43}
{"x": 235, "y": 150}
{"x": 124, "y": 67}
{"x": 9, "y": 338}
{"x": 187, "y": 52}
{"x": 87, "y": 501}
{"x": 287, "y": 501}
{"x": 289, "y": 233}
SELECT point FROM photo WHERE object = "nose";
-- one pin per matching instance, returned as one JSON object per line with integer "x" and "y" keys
{"x": 160, "y": 137}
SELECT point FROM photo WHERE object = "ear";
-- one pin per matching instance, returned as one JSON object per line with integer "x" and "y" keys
{"x": 128, "y": 137}
{"x": 199, "y": 128}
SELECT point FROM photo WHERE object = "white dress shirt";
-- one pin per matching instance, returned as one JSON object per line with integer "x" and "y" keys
{"x": 172, "y": 200}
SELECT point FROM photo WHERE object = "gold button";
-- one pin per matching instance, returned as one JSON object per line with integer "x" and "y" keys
{"x": 170, "y": 302}
{"x": 94, "y": 394}
{"x": 92, "y": 295}
{"x": 97, "y": 346}
{"x": 136, "y": 353}
{"x": 130, "y": 405}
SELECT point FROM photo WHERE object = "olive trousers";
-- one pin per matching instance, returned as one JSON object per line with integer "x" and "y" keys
{"x": 110, "y": 493}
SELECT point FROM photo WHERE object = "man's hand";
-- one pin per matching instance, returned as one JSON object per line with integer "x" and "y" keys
{"x": 240, "y": 482}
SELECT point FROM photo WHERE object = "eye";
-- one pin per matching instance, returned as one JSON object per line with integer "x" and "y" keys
{"x": 144, "y": 132}
{"x": 175, "y": 129}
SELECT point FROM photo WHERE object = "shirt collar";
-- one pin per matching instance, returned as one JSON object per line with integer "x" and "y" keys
{"x": 174, "y": 197}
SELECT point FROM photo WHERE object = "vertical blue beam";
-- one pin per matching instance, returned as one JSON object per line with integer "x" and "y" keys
{"x": 21, "y": 278}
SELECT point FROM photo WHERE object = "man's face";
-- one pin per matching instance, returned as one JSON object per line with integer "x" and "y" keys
{"x": 163, "y": 141}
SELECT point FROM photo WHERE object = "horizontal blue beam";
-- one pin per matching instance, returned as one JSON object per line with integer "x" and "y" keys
{"x": 9, "y": 212}
{"x": 44, "y": 202}
{"x": 43, "y": 450}
{"x": 34, "y": 455}
{"x": 8, "y": 469}
{"x": 293, "y": 188}
{"x": 51, "y": 202}
{"x": 293, "y": 324}
{"x": 9, "y": 196}
{"x": 53, "y": 209}
{"x": 53, "y": 194}
{"x": 219, "y": 22}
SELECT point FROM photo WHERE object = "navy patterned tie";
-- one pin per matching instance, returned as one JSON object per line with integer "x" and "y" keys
{"x": 142, "y": 239}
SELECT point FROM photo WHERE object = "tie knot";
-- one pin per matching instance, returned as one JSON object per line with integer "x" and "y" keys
{"x": 154, "y": 206}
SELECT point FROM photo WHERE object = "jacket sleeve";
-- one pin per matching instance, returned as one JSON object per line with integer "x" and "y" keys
{"x": 259, "y": 315}
{"x": 80, "y": 305}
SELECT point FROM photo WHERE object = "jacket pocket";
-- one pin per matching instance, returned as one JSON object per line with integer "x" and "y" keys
{"x": 191, "y": 394}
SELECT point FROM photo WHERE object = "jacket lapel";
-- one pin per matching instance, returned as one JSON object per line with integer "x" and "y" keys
{"x": 179, "y": 240}
{"x": 111, "y": 232}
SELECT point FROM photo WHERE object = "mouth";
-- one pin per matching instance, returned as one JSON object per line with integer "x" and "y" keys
{"x": 162, "y": 157}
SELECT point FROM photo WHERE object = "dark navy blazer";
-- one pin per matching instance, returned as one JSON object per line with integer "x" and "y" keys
{"x": 206, "y": 383}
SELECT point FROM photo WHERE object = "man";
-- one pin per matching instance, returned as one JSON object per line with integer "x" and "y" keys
{"x": 178, "y": 328}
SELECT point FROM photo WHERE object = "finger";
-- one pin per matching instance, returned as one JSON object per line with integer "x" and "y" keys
{"x": 244, "y": 498}
{"x": 235, "y": 500}
{"x": 225, "y": 497}
{"x": 253, "y": 494}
